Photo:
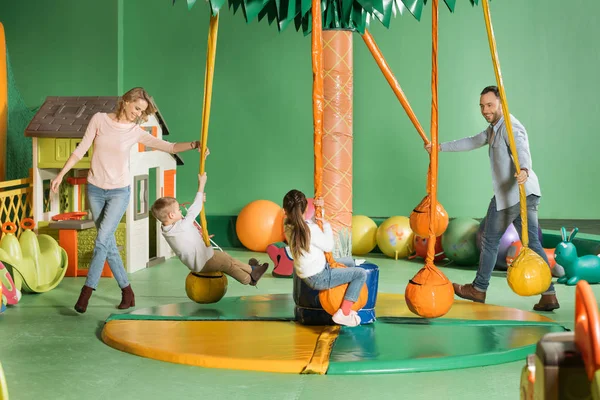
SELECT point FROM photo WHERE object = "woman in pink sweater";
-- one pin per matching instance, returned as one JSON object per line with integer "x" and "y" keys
{"x": 108, "y": 189}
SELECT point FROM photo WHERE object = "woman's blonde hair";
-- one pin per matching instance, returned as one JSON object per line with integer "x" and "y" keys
{"x": 294, "y": 205}
{"x": 133, "y": 95}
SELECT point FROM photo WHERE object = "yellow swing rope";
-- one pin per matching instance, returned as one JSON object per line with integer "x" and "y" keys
{"x": 529, "y": 274}
{"x": 504, "y": 101}
{"x": 208, "y": 83}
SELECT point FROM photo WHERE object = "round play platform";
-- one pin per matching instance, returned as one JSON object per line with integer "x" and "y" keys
{"x": 258, "y": 333}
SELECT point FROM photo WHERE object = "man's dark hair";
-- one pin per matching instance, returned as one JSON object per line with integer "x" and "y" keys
{"x": 493, "y": 89}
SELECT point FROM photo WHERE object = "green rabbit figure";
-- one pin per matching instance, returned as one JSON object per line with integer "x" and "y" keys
{"x": 586, "y": 268}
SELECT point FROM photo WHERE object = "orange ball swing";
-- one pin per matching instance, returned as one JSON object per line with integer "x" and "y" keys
{"x": 429, "y": 293}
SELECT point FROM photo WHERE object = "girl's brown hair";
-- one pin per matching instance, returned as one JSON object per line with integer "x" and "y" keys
{"x": 133, "y": 95}
{"x": 294, "y": 205}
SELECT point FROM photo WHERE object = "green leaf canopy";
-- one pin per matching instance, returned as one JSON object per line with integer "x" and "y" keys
{"x": 337, "y": 14}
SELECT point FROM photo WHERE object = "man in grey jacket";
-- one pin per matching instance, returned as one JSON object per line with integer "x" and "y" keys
{"x": 504, "y": 207}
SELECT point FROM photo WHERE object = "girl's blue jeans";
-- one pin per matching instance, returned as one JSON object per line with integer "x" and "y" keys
{"x": 332, "y": 277}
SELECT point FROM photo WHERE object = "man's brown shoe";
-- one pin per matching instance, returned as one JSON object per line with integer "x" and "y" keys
{"x": 469, "y": 292}
{"x": 548, "y": 302}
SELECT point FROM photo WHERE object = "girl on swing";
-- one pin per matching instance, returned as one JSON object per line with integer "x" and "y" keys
{"x": 308, "y": 245}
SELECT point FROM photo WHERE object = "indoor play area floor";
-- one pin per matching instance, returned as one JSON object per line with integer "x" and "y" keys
{"x": 49, "y": 351}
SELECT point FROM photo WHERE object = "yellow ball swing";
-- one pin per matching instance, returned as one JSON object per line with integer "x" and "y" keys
{"x": 207, "y": 287}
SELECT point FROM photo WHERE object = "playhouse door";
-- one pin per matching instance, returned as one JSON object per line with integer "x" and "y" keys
{"x": 153, "y": 223}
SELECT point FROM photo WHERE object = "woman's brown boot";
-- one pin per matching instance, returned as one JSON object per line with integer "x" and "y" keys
{"x": 128, "y": 299}
{"x": 84, "y": 298}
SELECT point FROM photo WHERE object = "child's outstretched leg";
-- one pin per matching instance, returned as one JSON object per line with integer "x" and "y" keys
{"x": 332, "y": 277}
{"x": 356, "y": 278}
{"x": 241, "y": 272}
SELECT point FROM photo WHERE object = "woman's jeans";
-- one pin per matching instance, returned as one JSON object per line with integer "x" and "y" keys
{"x": 332, "y": 277}
{"x": 108, "y": 207}
{"x": 496, "y": 223}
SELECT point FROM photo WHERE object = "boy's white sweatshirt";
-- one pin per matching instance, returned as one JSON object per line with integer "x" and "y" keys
{"x": 186, "y": 241}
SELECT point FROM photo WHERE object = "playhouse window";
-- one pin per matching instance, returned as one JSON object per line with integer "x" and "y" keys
{"x": 140, "y": 197}
{"x": 46, "y": 195}
{"x": 152, "y": 130}
{"x": 86, "y": 153}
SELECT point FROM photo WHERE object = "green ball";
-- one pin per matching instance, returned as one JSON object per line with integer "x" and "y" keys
{"x": 460, "y": 241}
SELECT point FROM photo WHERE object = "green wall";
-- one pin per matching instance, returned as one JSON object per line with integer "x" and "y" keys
{"x": 62, "y": 47}
{"x": 261, "y": 123}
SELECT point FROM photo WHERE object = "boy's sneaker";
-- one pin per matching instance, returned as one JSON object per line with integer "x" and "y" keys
{"x": 257, "y": 272}
{"x": 351, "y": 319}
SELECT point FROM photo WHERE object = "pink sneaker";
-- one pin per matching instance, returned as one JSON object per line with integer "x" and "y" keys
{"x": 351, "y": 319}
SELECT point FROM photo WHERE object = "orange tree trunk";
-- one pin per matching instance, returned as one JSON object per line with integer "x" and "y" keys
{"x": 337, "y": 136}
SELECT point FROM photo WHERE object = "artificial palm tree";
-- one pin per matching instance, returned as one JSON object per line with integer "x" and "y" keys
{"x": 340, "y": 18}
{"x": 331, "y": 22}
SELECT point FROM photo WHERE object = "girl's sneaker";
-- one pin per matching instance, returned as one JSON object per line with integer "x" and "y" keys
{"x": 351, "y": 319}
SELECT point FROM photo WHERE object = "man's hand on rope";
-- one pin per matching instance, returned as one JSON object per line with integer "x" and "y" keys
{"x": 522, "y": 176}
{"x": 428, "y": 147}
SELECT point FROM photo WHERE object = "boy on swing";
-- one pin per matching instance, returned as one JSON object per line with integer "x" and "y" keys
{"x": 186, "y": 241}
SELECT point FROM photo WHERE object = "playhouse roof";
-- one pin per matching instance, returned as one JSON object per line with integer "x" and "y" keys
{"x": 69, "y": 116}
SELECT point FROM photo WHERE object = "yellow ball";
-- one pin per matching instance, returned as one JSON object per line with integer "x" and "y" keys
{"x": 395, "y": 238}
{"x": 529, "y": 275}
{"x": 206, "y": 287}
{"x": 364, "y": 234}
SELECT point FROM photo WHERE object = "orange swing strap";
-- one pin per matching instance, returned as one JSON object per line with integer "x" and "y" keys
{"x": 318, "y": 109}
{"x": 389, "y": 76}
{"x": 432, "y": 174}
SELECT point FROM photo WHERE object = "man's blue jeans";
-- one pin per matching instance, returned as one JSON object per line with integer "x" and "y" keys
{"x": 496, "y": 223}
{"x": 108, "y": 207}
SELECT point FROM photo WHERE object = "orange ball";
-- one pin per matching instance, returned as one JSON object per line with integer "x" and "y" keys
{"x": 429, "y": 293}
{"x": 259, "y": 224}
{"x": 420, "y": 245}
{"x": 419, "y": 218}
{"x": 332, "y": 299}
